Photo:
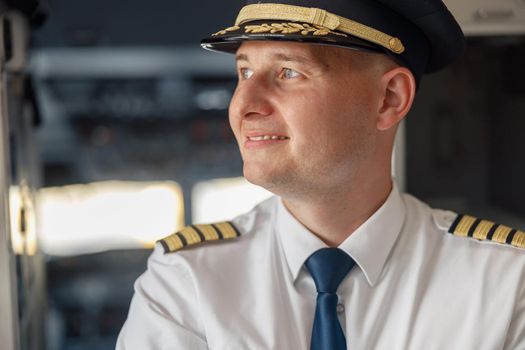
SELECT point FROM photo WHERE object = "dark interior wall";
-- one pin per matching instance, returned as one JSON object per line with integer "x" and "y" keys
{"x": 132, "y": 23}
{"x": 507, "y": 117}
{"x": 464, "y": 134}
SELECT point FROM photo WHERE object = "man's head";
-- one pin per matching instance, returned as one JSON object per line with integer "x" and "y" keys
{"x": 320, "y": 95}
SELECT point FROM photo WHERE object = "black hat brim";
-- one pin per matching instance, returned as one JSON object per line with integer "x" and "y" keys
{"x": 230, "y": 41}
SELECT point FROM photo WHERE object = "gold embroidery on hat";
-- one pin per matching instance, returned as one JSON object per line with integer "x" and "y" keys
{"x": 224, "y": 31}
{"x": 289, "y": 28}
{"x": 318, "y": 17}
{"x": 283, "y": 28}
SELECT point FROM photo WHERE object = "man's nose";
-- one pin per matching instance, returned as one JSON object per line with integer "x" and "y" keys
{"x": 252, "y": 98}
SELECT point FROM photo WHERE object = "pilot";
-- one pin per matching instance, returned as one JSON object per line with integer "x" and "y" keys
{"x": 339, "y": 258}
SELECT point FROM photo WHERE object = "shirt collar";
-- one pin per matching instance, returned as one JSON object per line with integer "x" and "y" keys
{"x": 369, "y": 245}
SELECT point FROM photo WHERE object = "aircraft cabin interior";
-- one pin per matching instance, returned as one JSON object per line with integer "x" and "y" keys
{"x": 115, "y": 133}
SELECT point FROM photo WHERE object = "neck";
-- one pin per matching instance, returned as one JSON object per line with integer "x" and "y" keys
{"x": 334, "y": 216}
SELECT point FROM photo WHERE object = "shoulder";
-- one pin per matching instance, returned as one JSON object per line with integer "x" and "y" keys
{"x": 199, "y": 234}
{"x": 192, "y": 257}
{"x": 483, "y": 230}
{"x": 464, "y": 228}
{"x": 238, "y": 231}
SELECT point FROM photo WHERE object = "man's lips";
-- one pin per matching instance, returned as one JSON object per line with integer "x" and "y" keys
{"x": 261, "y": 139}
{"x": 266, "y": 137}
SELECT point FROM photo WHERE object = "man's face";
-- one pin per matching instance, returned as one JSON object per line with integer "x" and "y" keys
{"x": 304, "y": 115}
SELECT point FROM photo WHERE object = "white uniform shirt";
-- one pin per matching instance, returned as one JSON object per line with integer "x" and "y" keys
{"x": 414, "y": 287}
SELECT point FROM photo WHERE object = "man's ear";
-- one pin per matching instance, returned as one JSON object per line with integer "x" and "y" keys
{"x": 399, "y": 89}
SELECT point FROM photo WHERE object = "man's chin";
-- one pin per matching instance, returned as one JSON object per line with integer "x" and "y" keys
{"x": 257, "y": 178}
{"x": 274, "y": 182}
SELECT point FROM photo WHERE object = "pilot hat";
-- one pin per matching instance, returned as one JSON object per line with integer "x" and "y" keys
{"x": 419, "y": 34}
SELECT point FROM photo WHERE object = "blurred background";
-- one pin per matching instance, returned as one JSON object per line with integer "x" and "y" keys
{"x": 114, "y": 133}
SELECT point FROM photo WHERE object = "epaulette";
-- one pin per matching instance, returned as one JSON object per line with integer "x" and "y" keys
{"x": 196, "y": 234}
{"x": 484, "y": 230}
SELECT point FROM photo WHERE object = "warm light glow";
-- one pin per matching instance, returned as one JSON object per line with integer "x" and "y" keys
{"x": 22, "y": 217}
{"x": 223, "y": 199}
{"x": 81, "y": 219}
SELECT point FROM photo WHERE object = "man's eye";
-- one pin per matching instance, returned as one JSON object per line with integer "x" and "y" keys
{"x": 288, "y": 73}
{"x": 245, "y": 73}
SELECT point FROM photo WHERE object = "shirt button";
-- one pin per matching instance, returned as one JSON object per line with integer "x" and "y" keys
{"x": 340, "y": 308}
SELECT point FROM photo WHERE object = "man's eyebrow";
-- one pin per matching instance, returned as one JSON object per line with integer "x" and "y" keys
{"x": 288, "y": 58}
{"x": 313, "y": 62}
{"x": 241, "y": 57}
{"x": 291, "y": 58}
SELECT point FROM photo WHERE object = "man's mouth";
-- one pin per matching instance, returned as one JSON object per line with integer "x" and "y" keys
{"x": 266, "y": 138}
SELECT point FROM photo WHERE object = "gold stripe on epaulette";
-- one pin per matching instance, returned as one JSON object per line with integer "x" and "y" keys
{"x": 227, "y": 229}
{"x": 190, "y": 235}
{"x": 195, "y": 234}
{"x": 501, "y": 234}
{"x": 173, "y": 242}
{"x": 209, "y": 232}
{"x": 519, "y": 239}
{"x": 464, "y": 225}
{"x": 484, "y": 230}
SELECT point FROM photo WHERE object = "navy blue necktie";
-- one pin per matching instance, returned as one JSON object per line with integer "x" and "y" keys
{"x": 328, "y": 267}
